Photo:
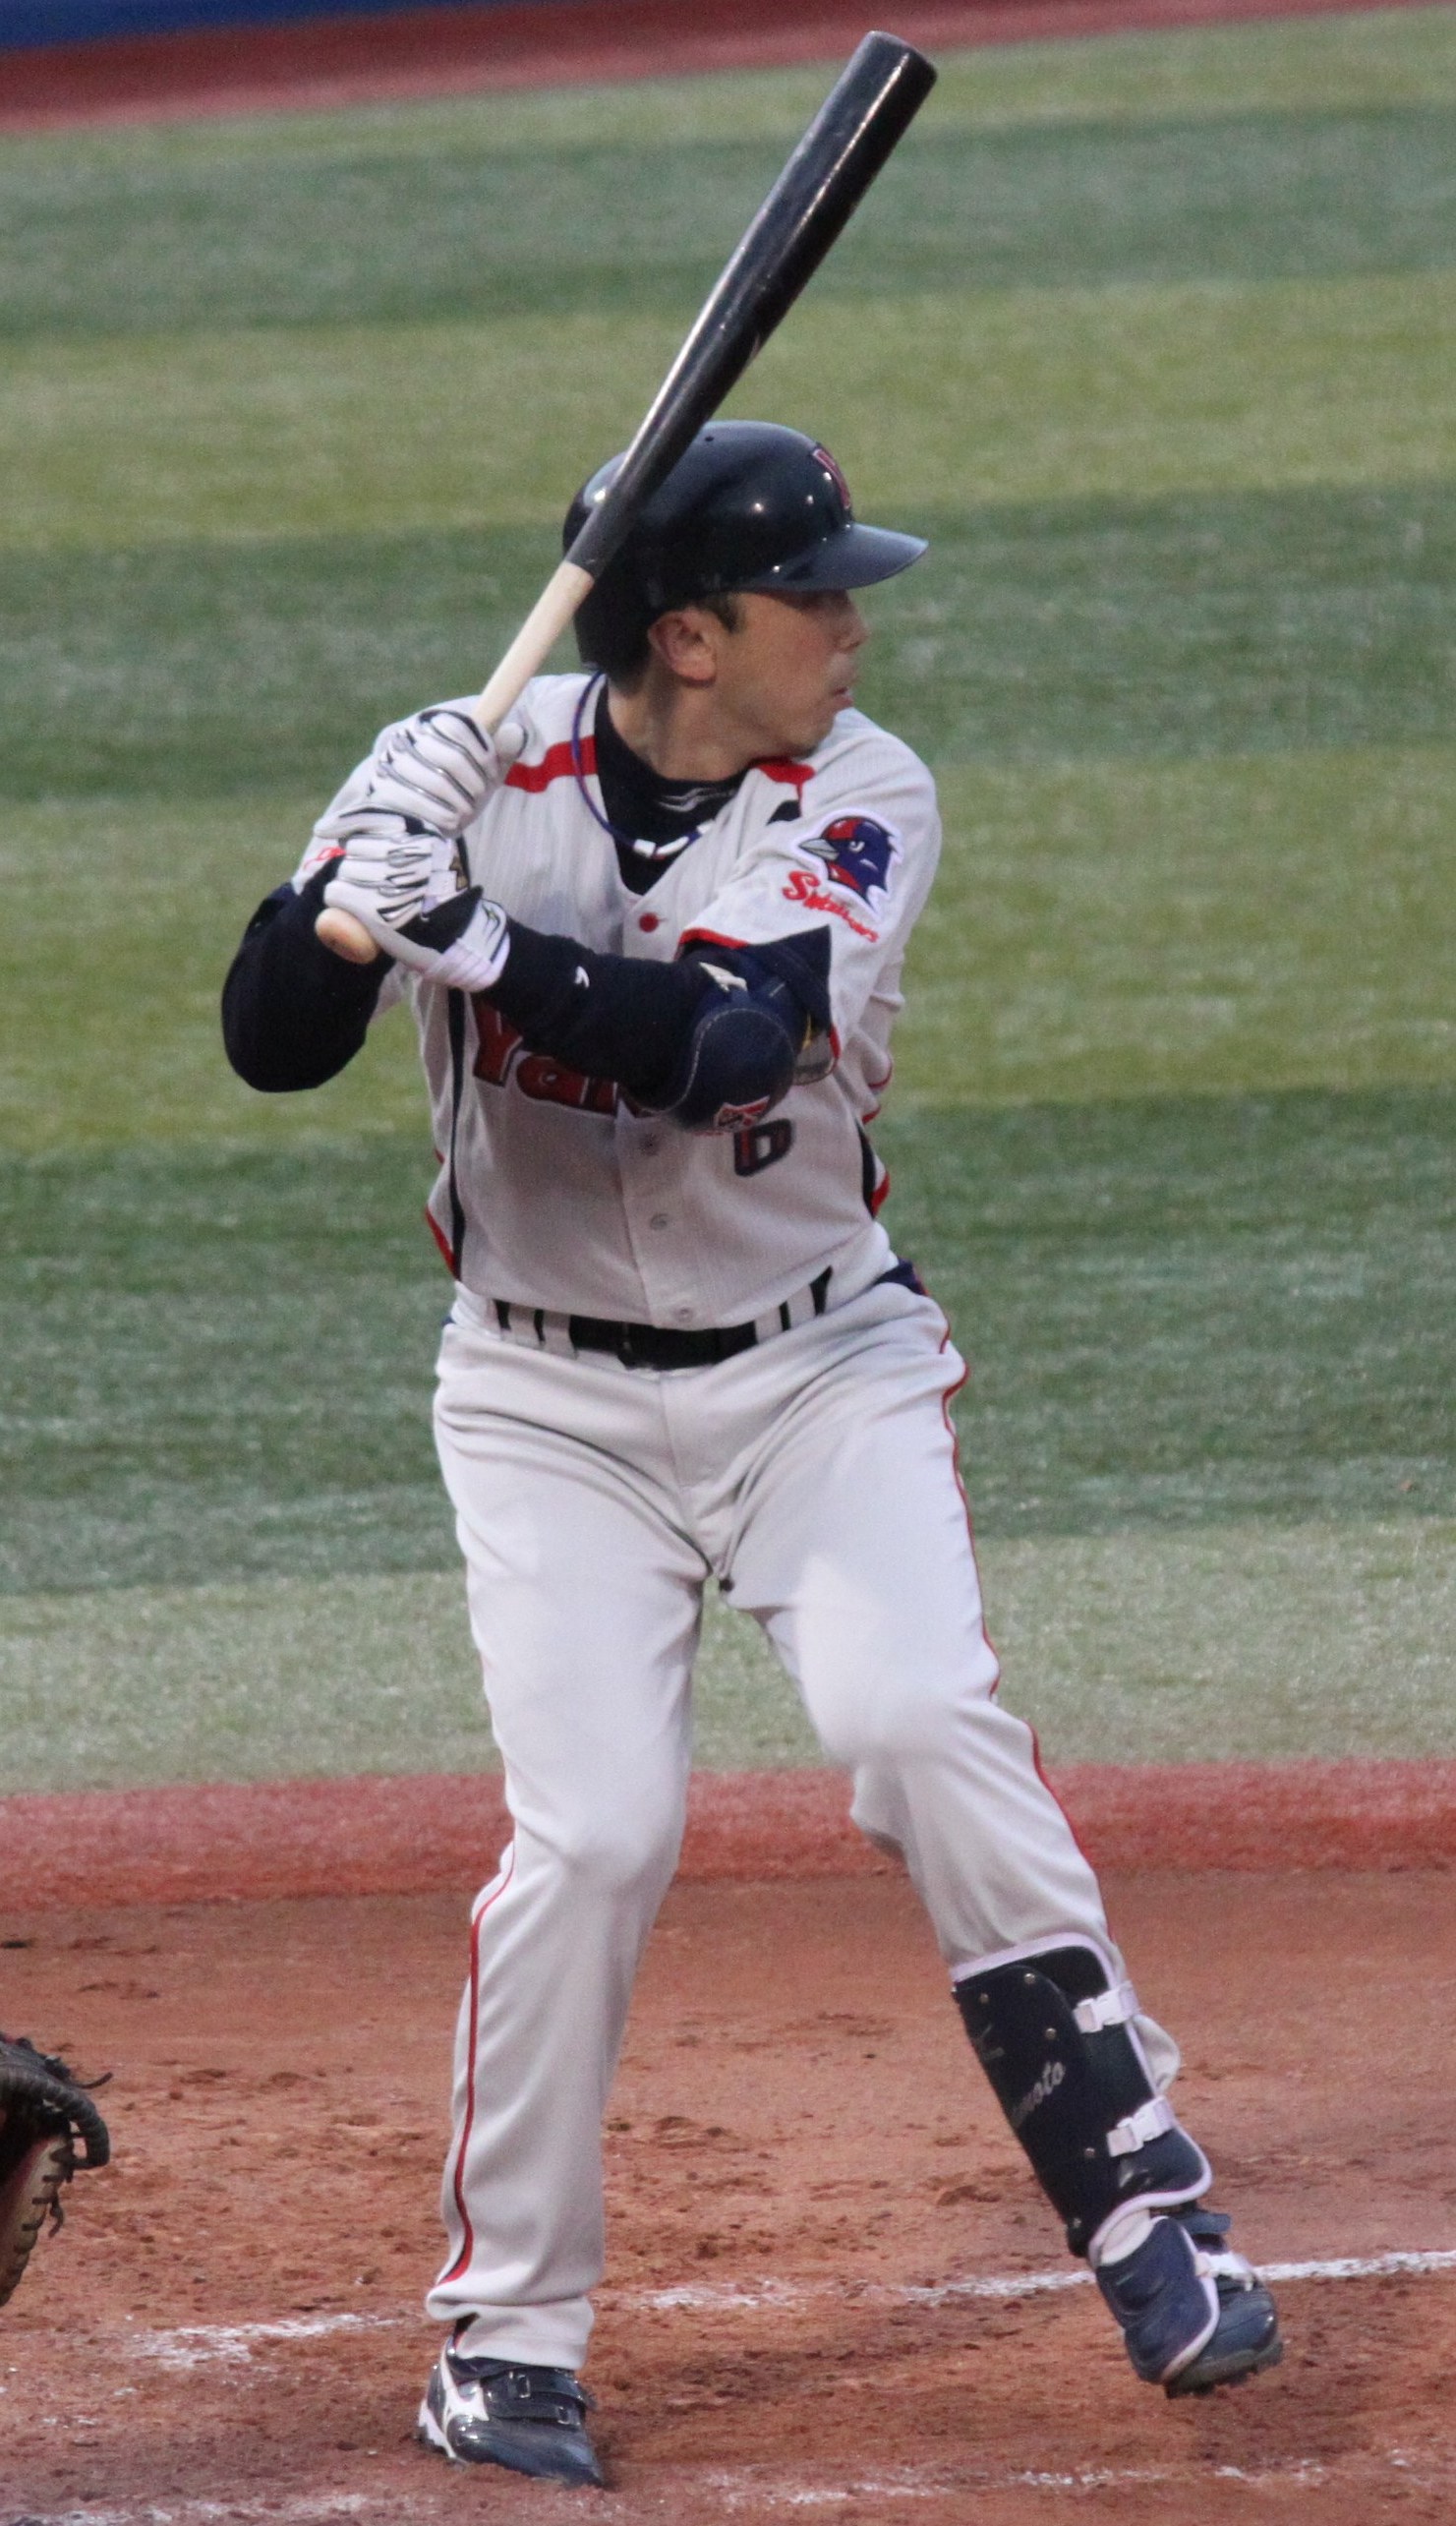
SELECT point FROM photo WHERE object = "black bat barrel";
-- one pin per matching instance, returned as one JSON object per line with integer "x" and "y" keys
{"x": 865, "y": 114}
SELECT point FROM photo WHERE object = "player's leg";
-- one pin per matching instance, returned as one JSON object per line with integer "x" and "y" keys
{"x": 585, "y": 1605}
{"x": 853, "y": 1550}
{"x": 857, "y": 1556}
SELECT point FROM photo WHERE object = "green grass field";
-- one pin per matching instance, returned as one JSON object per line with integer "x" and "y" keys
{"x": 1153, "y": 336}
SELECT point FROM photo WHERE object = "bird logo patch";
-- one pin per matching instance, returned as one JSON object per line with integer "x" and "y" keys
{"x": 856, "y": 852}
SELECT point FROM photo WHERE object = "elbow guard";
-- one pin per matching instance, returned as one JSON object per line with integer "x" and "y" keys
{"x": 740, "y": 1058}
{"x": 750, "y": 1032}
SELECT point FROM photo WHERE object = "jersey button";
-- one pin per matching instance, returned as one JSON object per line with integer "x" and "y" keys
{"x": 682, "y": 1314}
{"x": 660, "y": 1219}
{"x": 650, "y": 1143}
{"x": 648, "y": 921}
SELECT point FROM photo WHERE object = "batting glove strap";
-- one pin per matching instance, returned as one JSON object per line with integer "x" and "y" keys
{"x": 462, "y": 945}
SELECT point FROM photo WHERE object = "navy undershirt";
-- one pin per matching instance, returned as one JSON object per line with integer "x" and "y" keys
{"x": 652, "y": 821}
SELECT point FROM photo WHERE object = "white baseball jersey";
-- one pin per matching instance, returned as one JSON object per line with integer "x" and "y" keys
{"x": 812, "y": 1472}
{"x": 554, "y": 1191}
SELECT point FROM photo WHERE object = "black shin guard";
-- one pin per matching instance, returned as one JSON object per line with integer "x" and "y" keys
{"x": 1055, "y": 2037}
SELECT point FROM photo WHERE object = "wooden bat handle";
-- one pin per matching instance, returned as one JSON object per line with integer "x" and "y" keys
{"x": 533, "y": 644}
{"x": 527, "y": 654}
{"x": 347, "y": 937}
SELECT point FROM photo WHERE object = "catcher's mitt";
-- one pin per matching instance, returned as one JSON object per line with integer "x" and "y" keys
{"x": 43, "y": 2112}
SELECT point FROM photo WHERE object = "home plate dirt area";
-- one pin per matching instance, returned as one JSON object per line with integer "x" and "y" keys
{"x": 832, "y": 2288}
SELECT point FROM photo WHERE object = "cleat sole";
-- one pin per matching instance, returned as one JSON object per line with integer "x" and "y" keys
{"x": 1206, "y": 2379}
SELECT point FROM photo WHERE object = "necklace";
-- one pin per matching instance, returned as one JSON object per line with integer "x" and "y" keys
{"x": 710, "y": 794}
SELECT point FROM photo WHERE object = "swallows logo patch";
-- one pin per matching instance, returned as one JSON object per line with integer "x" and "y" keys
{"x": 857, "y": 853}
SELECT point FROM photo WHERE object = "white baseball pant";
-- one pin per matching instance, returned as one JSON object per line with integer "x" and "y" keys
{"x": 815, "y": 1475}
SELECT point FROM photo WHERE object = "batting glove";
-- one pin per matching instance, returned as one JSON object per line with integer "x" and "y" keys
{"x": 400, "y": 870}
{"x": 461, "y": 940}
{"x": 393, "y": 829}
{"x": 433, "y": 771}
{"x": 395, "y": 871}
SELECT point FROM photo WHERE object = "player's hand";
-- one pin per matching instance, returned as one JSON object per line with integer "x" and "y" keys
{"x": 434, "y": 770}
{"x": 458, "y": 937}
{"x": 392, "y": 869}
{"x": 407, "y": 886}
{"x": 401, "y": 864}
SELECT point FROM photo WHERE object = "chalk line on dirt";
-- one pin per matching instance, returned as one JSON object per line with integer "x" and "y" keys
{"x": 752, "y": 2489}
{"x": 1018, "y": 2284}
{"x": 195, "y": 2345}
{"x": 1301, "y": 2473}
{"x": 185, "y": 2346}
{"x": 312, "y": 2509}
{"x": 749, "y": 2490}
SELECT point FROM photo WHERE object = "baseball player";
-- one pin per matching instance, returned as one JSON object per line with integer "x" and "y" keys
{"x": 652, "y": 937}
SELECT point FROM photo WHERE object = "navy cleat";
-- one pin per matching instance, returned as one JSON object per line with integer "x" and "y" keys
{"x": 1193, "y": 2313}
{"x": 499, "y": 2412}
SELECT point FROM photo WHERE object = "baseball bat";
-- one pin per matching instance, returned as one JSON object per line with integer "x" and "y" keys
{"x": 866, "y": 112}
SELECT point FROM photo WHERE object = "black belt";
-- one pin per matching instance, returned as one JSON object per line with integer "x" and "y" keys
{"x": 658, "y": 1346}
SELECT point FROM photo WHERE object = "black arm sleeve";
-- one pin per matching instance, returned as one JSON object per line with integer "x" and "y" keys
{"x": 293, "y": 1012}
{"x": 623, "y": 1018}
{"x": 613, "y": 1017}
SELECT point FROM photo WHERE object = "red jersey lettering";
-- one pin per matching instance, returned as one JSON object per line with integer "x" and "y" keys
{"x": 801, "y": 889}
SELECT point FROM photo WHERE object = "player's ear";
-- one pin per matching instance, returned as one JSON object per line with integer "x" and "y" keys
{"x": 684, "y": 640}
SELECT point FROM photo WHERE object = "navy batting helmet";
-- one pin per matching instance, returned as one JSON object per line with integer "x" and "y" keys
{"x": 749, "y": 505}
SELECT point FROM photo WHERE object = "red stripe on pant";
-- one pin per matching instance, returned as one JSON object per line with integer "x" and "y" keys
{"x": 1040, "y": 1769}
{"x": 467, "y": 2249}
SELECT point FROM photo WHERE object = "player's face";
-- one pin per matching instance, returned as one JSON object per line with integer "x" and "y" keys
{"x": 789, "y": 669}
{"x": 722, "y": 696}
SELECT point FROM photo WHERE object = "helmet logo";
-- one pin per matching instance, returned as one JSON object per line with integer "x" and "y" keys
{"x": 856, "y": 852}
{"x": 836, "y": 476}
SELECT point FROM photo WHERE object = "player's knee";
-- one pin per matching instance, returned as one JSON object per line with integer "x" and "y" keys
{"x": 618, "y": 1846}
{"x": 895, "y": 1716}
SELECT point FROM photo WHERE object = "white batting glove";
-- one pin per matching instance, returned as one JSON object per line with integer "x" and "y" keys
{"x": 394, "y": 870}
{"x": 401, "y": 871}
{"x": 462, "y": 944}
{"x": 459, "y": 938}
{"x": 436, "y": 770}
{"x": 398, "y": 820}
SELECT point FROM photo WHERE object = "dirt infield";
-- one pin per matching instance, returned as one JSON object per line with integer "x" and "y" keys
{"x": 439, "y": 1832}
{"x": 831, "y": 2288}
{"x": 451, "y": 51}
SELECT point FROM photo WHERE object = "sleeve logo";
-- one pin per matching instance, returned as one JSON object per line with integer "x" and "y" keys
{"x": 856, "y": 852}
